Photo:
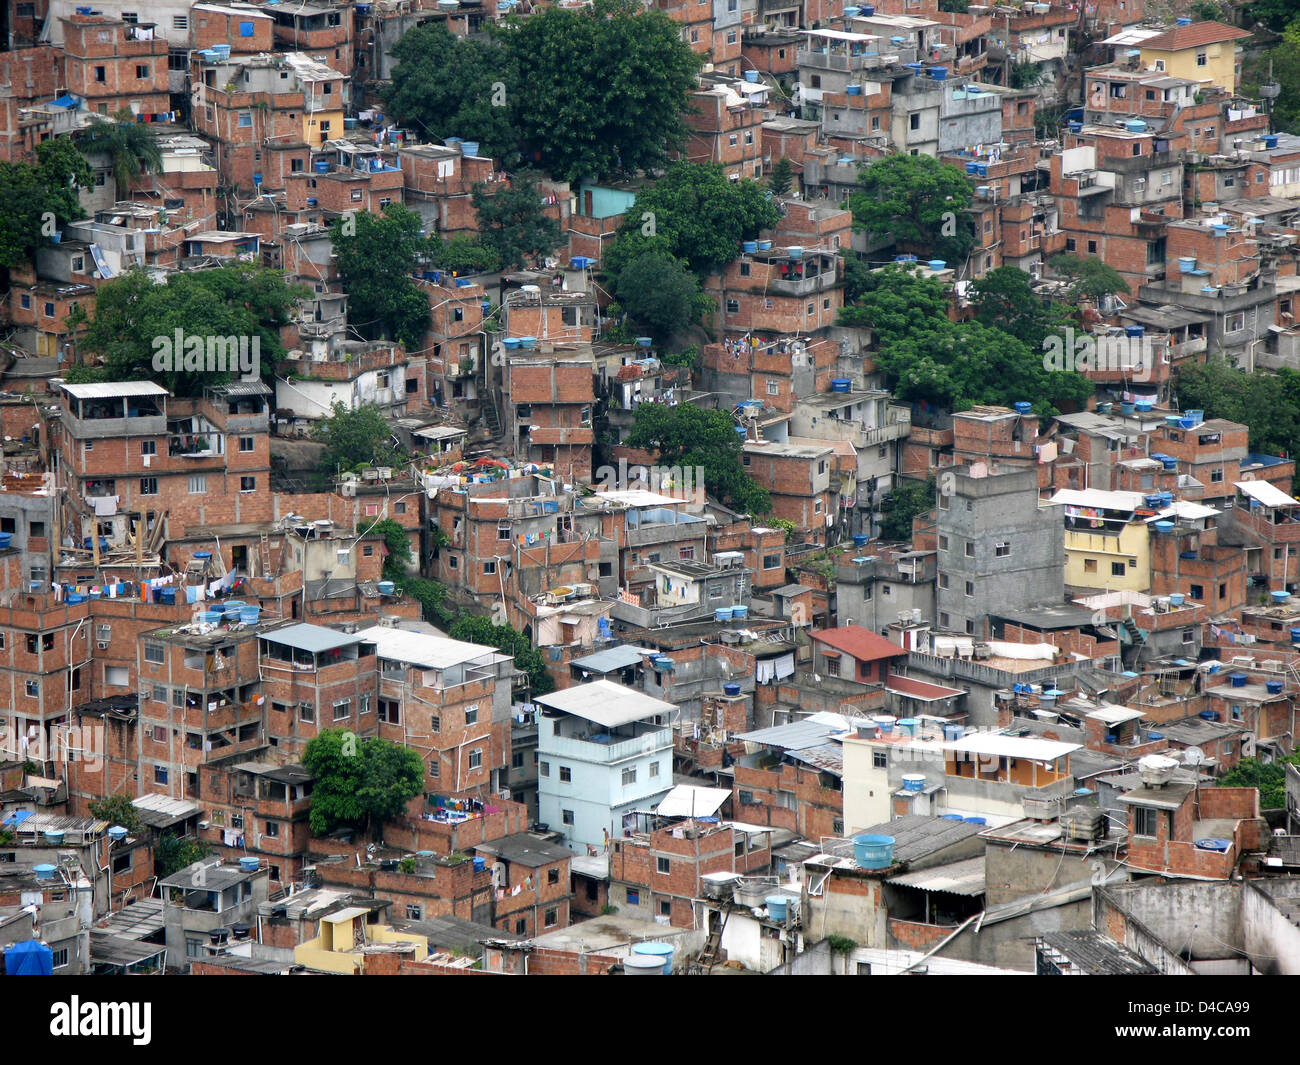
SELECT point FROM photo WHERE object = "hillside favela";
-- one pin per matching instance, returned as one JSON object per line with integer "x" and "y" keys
{"x": 650, "y": 487}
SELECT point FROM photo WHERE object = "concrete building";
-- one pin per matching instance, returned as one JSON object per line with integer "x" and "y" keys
{"x": 604, "y": 751}
{"x": 997, "y": 547}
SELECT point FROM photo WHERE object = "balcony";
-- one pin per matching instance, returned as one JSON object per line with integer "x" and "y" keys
{"x": 193, "y": 445}
{"x": 805, "y": 286}
{"x": 589, "y": 750}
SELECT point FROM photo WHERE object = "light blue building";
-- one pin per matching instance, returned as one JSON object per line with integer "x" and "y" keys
{"x": 604, "y": 751}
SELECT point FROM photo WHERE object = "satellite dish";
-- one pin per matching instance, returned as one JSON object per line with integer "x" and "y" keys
{"x": 1193, "y": 756}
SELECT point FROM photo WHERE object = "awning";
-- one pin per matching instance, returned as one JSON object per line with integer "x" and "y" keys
{"x": 959, "y": 878}
{"x": 687, "y": 800}
{"x": 1266, "y": 494}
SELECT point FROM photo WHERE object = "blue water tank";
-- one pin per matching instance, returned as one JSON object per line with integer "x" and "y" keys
{"x": 854, "y": 90}
{"x": 44, "y": 871}
{"x": 914, "y": 782}
{"x": 1134, "y": 331}
{"x": 469, "y": 148}
{"x": 117, "y": 833}
{"x": 1220, "y": 845}
{"x": 952, "y": 733}
{"x": 387, "y": 587}
{"x": 480, "y": 863}
{"x": 1154, "y": 737}
{"x": 938, "y": 264}
{"x": 1125, "y": 407}
{"x": 1175, "y": 598}
{"x": 873, "y": 852}
{"x": 970, "y": 168}
{"x": 795, "y": 251}
{"x": 741, "y": 431}
{"x": 1238, "y": 680}
{"x": 1182, "y": 21}
{"x": 1074, "y": 127}
{"x": 1274, "y": 687}
{"x": 776, "y": 906}
{"x": 975, "y": 820}
{"x": 1187, "y": 264}
{"x": 1135, "y": 125}
{"x": 731, "y": 688}
{"x": 740, "y": 611}
{"x": 250, "y": 615}
{"x": 1164, "y": 526}
{"x": 751, "y": 76}
{"x": 321, "y": 166}
{"x": 764, "y": 245}
{"x": 248, "y": 865}
{"x": 939, "y": 73}
{"x": 722, "y": 613}
{"x": 1270, "y": 140}
{"x": 859, "y": 539}
{"x": 1295, "y": 635}
{"x": 1210, "y": 715}
{"x": 841, "y": 384}
{"x": 1023, "y": 406}
{"x": 664, "y": 951}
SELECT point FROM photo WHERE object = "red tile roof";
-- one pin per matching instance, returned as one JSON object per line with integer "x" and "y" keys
{"x": 862, "y": 644}
{"x": 1197, "y": 33}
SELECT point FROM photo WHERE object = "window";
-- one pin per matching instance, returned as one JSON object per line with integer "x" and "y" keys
{"x": 665, "y": 908}
{"x": 663, "y": 865}
{"x": 970, "y": 590}
{"x": 198, "y": 483}
{"x": 435, "y": 769}
{"x": 1144, "y": 821}
{"x": 1089, "y": 565}
{"x": 733, "y": 306}
{"x": 1002, "y": 549}
{"x": 633, "y": 897}
{"x": 566, "y": 816}
{"x": 773, "y": 387}
{"x": 566, "y": 775}
{"x": 273, "y": 829}
{"x": 471, "y": 715}
{"x": 248, "y": 484}
{"x": 435, "y": 723}
{"x": 154, "y": 652}
{"x": 1118, "y": 569}
{"x": 160, "y": 774}
{"x": 517, "y": 760}
{"x": 476, "y": 758}
{"x": 943, "y": 580}
{"x": 414, "y": 911}
{"x": 654, "y": 770}
{"x": 970, "y": 549}
{"x": 914, "y": 121}
{"x": 148, "y": 447}
{"x": 1201, "y": 59}
{"x": 246, "y": 443}
{"x": 489, "y": 568}
{"x": 1216, "y": 476}
{"x": 521, "y": 926}
{"x": 552, "y": 876}
{"x": 101, "y": 74}
{"x": 543, "y": 769}
{"x": 629, "y": 776}
{"x": 771, "y": 561}
{"x": 1197, "y": 592}
{"x": 880, "y": 759}
{"x": 552, "y": 917}
{"x": 943, "y": 542}
{"x": 342, "y": 709}
{"x": 148, "y": 486}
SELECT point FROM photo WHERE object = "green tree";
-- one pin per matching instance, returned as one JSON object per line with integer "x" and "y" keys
{"x": 172, "y": 853}
{"x": 397, "y": 545}
{"x": 131, "y": 147}
{"x": 960, "y": 366}
{"x": 895, "y": 301}
{"x": 1275, "y": 14}
{"x": 117, "y": 810}
{"x": 781, "y": 179}
{"x": 461, "y": 254}
{"x": 450, "y": 87}
{"x": 907, "y": 499}
{"x": 1281, "y": 64}
{"x": 510, "y": 641}
{"x": 359, "y": 783}
{"x": 512, "y": 224}
{"x": 355, "y": 438}
{"x": 36, "y": 200}
{"x": 375, "y": 263}
{"x": 1090, "y": 278}
{"x": 954, "y": 7}
{"x": 133, "y": 313}
{"x": 1024, "y": 75}
{"x": 659, "y": 294}
{"x": 1005, "y": 298}
{"x": 688, "y": 436}
{"x": 696, "y": 215}
{"x": 857, "y": 277}
{"x": 1268, "y": 777}
{"x": 1267, "y": 404}
{"x": 635, "y": 73}
{"x": 918, "y": 201}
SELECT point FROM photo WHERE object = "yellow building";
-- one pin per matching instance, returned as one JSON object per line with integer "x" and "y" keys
{"x": 1107, "y": 545}
{"x": 345, "y": 938}
{"x": 1204, "y": 52}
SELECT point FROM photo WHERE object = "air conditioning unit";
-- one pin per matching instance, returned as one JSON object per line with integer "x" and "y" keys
{"x": 102, "y": 645}
{"x": 348, "y": 489}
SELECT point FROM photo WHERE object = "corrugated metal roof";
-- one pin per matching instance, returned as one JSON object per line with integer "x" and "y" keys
{"x": 115, "y": 390}
{"x": 243, "y": 388}
{"x": 609, "y": 659}
{"x": 304, "y": 637}
{"x": 797, "y": 735}
{"x": 687, "y": 800}
{"x": 826, "y": 756}
{"x": 606, "y": 703}
{"x": 1268, "y": 495}
{"x": 424, "y": 649}
{"x": 959, "y": 878}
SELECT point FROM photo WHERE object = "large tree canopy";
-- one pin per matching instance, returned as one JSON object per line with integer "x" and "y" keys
{"x": 1268, "y": 404}
{"x": 694, "y": 214}
{"x": 688, "y": 436}
{"x": 595, "y": 92}
{"x": 512, "y": 225}
{"x": 659, "y": 294}
{"x": 359, "y": 782}
{"x": 376, "y": 261}
{"x": 354, "y": 438}
{"x": 242, "y": 300}
{"x": 36, "y": 200}
{"x": 918, "y": 201}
